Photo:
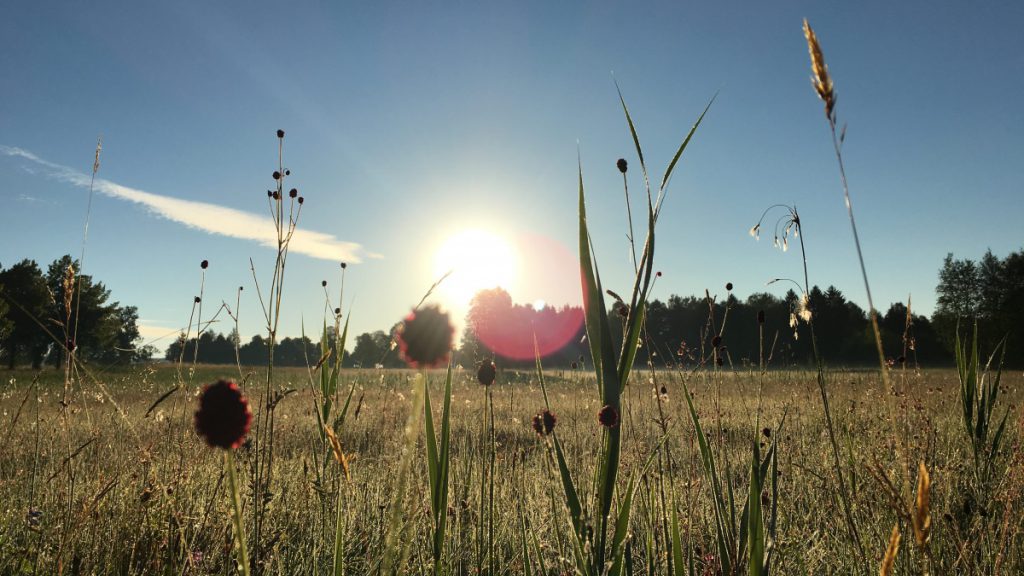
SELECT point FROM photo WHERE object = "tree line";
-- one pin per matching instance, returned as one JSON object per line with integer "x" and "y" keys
{"x": 44, "y": 314}
{"x": 685, "y": 331}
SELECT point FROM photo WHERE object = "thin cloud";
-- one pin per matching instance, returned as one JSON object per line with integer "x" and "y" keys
{"x": 207, "y": 217}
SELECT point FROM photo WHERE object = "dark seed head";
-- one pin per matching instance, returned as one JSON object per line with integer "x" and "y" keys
{"x": 425, "y": 337}
{"x": 198, "y": 300}
{"x": 344, "y": 265}
{"x": 204, "y": 264}
{"x": 270, "y": 193}
{"x": 728, "y": 286}
{"x": 323, "y": 283}
{"x": 608, "y": 416}
{"x": 287, "y": 172}
{"x": 276, "y": 175}
{"x": 622, "y": 165}
{"x": 719, "y": 361}
{"x": 70, "y": 345}
{"x": 276, "y": 195}
{"x": 767, "y": 432}
{"x": 223, "y": 417}
{"x": 658, "y": 274}
{"x": 544, "y": 423}
{"x": 293, "y": 193}
{"x": 664, "y": 391}
{"x": 301, "y": 199}
{"x": 486, "y": 373}
{"x": 337, "y": 311}
{"x": 716, "y": 341}
{"x": 574, "y": 365}
{"x": 760, "y": 316}
{"x": 280, "y": 133}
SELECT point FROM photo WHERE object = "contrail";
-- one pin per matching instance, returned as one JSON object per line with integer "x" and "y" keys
{"x": 207, "y": 217}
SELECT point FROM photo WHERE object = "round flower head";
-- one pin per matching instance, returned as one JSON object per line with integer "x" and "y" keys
{"x": 204, "y": 264}
{"x": 425, "y": 337}
{"x": 223, "y": 417}
{"x": 728, "y": 286}
{"x": 276, "y": 175}
{"x": 293, "y": 193}
{"x": 280, "y": 133}
{"x": 622, "y": 165}
{"x": 486, "y": 373}
{"x": 544, "y": 423}
{"x": 608, "y": 416}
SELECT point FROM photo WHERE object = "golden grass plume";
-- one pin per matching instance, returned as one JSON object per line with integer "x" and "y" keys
{"x": 820, "y": 79}
{"x": 920, "y": 515}
{"x": 890, "y": 552}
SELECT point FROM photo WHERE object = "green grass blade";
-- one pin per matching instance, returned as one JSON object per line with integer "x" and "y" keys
{"x": 636, "y": 139}
{"x": 682, "y": 147}
{"x": 572, "y": 499}
{"x": 754, "y": 520}
{"x": 724, "y": 539}
{"x": 678, "y": 565}
{"x": 622, "y": 520}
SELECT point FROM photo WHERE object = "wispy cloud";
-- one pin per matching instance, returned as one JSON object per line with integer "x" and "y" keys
{"x": 204, "y": 216}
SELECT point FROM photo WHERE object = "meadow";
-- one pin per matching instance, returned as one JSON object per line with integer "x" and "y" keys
{"x": 610, "y": 467}
{"x": 113, "y": 486}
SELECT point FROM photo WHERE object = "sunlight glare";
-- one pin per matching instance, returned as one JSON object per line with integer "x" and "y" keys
{"x": 478, "y": 260}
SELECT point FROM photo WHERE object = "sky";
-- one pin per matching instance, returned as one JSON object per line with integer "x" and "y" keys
{"x": 409, "y": 123}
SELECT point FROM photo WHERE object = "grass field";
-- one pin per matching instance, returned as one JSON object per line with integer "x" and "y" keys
{"x": 111, "y": 486}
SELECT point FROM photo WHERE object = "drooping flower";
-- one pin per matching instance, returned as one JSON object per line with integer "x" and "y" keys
{"x": 425, "y": 337}
{"x": 224, "y": 416}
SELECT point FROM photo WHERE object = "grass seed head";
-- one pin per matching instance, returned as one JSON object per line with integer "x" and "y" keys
{"x": 820, "y": 78}
{"x": 622, "y": 165}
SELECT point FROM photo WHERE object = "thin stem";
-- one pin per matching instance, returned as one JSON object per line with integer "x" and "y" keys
{"x": 236, "y": 514}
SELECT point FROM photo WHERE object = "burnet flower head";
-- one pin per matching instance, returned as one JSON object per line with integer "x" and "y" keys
{"x": 223, "y": 416}
{"x": 425, "y": 337}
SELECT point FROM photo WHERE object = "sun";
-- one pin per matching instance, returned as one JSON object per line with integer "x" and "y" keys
{"x": 477, "y": 260}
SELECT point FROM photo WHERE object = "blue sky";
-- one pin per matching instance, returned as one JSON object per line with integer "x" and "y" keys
{"x": 408, "y": 122}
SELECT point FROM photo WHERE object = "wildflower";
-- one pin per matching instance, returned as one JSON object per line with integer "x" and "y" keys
{"x": 280, "y": 133}
{"x": 622, "y": 165}
{"x": 608, "y": 416}
{"x": 204, "y": 264}
{"x": 293, "y": 193}
{"x": 756, "y": 231}
{"x": 544, "y": 422}
{"x": 425, "y": 337}
{"x": 486, "y": 373}
{"x": 804, "y": 309}
{"x": 223, "y": 417}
